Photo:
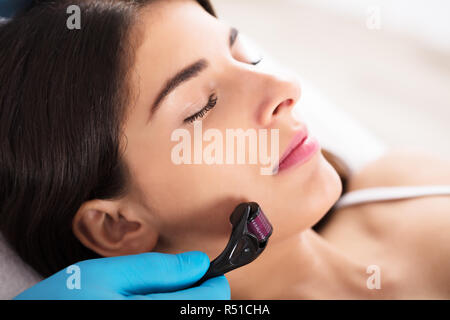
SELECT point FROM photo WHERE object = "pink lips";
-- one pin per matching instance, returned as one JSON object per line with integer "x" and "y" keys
{"x": 299, "y": 151}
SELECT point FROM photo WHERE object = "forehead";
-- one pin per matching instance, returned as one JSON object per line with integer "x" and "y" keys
{"x": 172, "y": 34}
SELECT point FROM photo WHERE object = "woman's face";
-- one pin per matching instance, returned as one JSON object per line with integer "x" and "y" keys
{"x": 189, "y": 204}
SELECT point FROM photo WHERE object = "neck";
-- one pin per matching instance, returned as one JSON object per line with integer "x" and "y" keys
{"x": 304, "y": 266}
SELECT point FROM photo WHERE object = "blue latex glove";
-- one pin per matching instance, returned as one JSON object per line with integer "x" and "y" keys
{"x": 153, "y": 276}
{"x": 8, "y": 8}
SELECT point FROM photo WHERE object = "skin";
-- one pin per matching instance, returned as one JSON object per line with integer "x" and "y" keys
{"x": 409, "y": 238}
{"x": 174, "y": 208}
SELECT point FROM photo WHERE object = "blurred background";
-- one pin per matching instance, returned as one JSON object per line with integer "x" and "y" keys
{"x": 384, "y": 62}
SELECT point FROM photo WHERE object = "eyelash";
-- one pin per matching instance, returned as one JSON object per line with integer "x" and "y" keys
{"x": 211, "y": 104}
{"x": 256, "y": 62}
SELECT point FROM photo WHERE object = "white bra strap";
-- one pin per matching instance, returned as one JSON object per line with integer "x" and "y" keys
{"x": 390, "y": 193}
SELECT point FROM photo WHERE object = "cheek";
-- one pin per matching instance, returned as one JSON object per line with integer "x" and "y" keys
{"x": 184, "y": 196}
{"x": 192, "y": 198}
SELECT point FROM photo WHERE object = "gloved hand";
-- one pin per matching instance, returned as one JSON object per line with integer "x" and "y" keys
{"x": 143, "y": 276}
{"x": 8, "y": 8}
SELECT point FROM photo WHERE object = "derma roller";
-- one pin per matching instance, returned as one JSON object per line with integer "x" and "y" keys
{"x": 249, "y": 237}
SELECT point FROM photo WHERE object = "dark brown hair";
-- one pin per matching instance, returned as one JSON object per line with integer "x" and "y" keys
{"x": 63, "y": 94}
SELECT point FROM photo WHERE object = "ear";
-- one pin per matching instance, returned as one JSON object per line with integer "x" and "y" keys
{"x": 112, "y": 228}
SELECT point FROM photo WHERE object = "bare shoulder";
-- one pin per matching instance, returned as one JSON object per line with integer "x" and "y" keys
{"x": 403, "y": 167}
{"x": 418, "y": 227}
{"x": 407, "y": 168}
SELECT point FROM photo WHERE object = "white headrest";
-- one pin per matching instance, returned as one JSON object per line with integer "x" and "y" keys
{"x": 15, "y": 275}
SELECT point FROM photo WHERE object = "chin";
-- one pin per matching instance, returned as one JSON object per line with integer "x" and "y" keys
{"x": 302, "y": 204}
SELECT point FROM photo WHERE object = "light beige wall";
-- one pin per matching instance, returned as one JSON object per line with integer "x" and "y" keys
{"x": 395, "y": 84}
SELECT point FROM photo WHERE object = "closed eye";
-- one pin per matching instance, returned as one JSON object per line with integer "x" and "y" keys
{"x": 256, "y": 62}
{"x": 234, "y": 33}
{"x": 211, "y": 104}
{"x": 246, "y": 51}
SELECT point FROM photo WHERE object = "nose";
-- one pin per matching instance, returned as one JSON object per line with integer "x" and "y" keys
{"x": 280, "y": 94}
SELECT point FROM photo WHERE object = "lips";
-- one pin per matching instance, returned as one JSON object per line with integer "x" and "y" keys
{"x": 297, "y": 140}
{"x": 301, "y": 148}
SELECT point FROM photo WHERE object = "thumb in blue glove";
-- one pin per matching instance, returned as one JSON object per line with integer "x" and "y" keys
{"x": 153, "y": 276}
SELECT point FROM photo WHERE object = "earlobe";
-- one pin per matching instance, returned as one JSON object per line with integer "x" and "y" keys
{"x": 110, "y": 230}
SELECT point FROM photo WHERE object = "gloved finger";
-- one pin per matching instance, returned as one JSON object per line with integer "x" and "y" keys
{"x": 212, "y": 289}
{"x": 154, "y": 272}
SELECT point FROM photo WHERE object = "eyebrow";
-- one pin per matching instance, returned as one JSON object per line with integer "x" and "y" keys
{"x": 186, "y": 74}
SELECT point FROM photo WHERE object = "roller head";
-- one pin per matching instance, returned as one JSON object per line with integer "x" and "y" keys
{"x": 249, "y": 237}
{"x": 259, "y": 225}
